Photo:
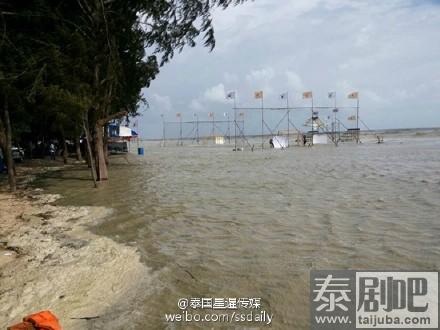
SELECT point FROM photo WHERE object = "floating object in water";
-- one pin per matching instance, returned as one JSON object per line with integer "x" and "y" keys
{"x": 87, "y": 318}
{"x": 320, "y": 139}
{"x": 280, "y": 142}
{"x": 219, "y": 140}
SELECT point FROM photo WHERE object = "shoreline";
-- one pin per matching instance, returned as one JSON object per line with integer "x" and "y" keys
{"x": 49, "y": 259}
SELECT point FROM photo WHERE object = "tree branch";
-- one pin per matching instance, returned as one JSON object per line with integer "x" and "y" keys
{"x": 116, "y": 115}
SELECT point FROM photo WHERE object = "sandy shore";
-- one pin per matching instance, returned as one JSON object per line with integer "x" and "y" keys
{"x": 49, "y": 260}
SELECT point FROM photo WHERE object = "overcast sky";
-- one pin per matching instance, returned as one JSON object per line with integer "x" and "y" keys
{"x": 387, "y": 50}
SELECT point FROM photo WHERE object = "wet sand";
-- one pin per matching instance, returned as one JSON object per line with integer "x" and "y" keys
{"x": 50, "y": 260}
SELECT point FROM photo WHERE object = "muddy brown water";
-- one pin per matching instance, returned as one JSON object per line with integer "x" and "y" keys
{"x": 210, "y": 222}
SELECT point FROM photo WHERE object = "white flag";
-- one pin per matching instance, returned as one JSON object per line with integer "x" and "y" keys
{"x": 230, "y": 95}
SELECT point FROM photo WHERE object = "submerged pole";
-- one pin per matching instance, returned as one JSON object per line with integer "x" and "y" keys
{"x": 288, "y": 119}
{"x": 262, "y": 122}
{"x": 357, "y": 120}
{"x": 163, "y": 131}
{"x": 335, "y": 110}
{"x": 235, "y": 125}
{"x": 213, "y": 128}
{"x": 181, "y": 138}
{"x": 312, "y": 121}
{"x": 197, "y": 127}
{"x": 229, "y": 128}
{"x": 198, "y": 136}
{"x": 242, "y": 130}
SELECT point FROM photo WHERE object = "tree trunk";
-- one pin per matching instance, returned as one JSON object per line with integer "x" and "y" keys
{"x": 89, "y": 153}
{"x": 8, "y": 153}
{"x": 31, "y": 150}
{"x": 106, "y": 144}
{"x": 78, "y": 149}
{"x": 101, "y": 166}
{"x": 65, "y": 151}
{"x": 100, "y": 157}
{"x": 89, "y": 156}
{"x": 2, "y": 136}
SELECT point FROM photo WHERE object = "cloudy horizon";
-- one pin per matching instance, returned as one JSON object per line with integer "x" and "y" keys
{"x": 385, "y": 50}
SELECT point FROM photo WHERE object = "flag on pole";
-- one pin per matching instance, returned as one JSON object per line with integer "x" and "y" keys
{"x": 230, "y": 95}
{"x": 308, "y": 95}
{"x": 178, "y": 115}
{"x": 352, "y": 117}
{"x": 331, "y": 95}
{"x": 258, "y": 94}
{"x": 284, "y": 96}
{"x": 354, "y": 95}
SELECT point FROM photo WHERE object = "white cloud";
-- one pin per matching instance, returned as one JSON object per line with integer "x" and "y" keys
{"x": 364, "y": 36}
{"x": 262, "y": 79}
{"x": 216, "y": 93}
{"x": 161, "y": 103}
{"x": 262, "y": 76}
{"x": 384, "y": 49}
{"x": 294, "y": 81}
{"x": 374, "y": 97}
{"x": 196, "y": 105}
{"x": 230, "y": 78}
{"x": 345, "y": 87}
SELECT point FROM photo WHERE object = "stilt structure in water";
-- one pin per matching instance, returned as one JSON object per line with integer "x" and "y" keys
{"x": 317, "y": 129}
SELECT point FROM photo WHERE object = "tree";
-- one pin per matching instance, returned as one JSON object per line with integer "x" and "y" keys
{"x": 84, "y": 63}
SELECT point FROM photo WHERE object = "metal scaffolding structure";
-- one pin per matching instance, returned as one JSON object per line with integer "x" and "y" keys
{"x": 197, "y": 131}
{"x": 220, "y": 130}
{"x": 316, "y": 125}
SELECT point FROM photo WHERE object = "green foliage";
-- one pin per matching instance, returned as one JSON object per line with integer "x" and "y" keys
{"x": 62, "y": 60}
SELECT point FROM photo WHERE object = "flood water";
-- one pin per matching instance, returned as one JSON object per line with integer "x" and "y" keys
{"x": 210, "y": 222}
